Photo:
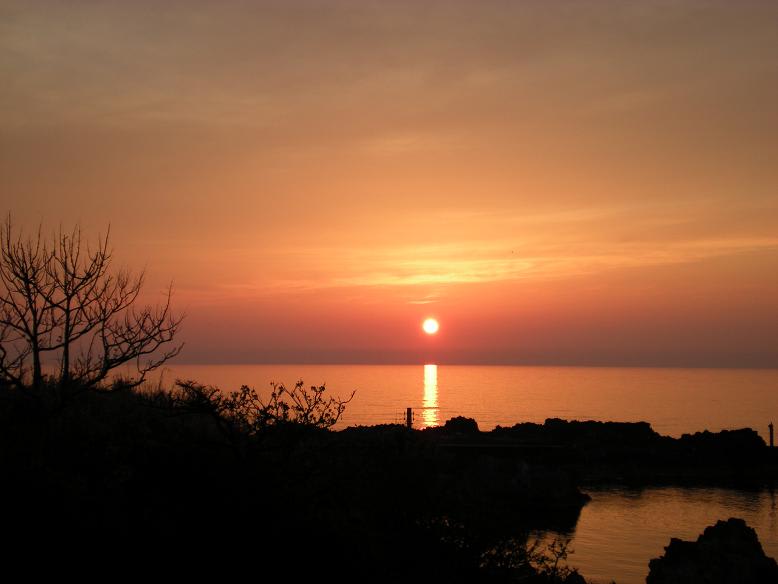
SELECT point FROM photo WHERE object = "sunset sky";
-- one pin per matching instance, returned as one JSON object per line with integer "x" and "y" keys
{"x": 584, "y": 182}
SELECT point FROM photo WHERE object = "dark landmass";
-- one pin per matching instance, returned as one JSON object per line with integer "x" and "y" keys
{"x": 210, "y": 477}
{"x": 726, "y": 553}
{"x": 634, "y": 453}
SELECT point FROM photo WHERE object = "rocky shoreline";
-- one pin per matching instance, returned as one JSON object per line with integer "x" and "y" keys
{"x": 450, "y": 503}
{"x": 536, "y": 471}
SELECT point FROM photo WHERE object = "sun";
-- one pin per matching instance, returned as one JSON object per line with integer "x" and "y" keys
{"x": 430, "y": 326}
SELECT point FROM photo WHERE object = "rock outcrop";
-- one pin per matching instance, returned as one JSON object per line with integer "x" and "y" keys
{"x": 635, "y": 453}
{"x": 728, "y": 552}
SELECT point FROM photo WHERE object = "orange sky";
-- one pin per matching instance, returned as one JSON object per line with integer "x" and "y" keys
{"x": 558, "y": 182}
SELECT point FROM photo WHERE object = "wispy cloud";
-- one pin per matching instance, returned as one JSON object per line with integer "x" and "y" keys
{"x": 486, "y": 262}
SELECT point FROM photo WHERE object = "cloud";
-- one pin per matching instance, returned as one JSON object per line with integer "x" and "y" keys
{"x": 551, "y": 246}
{"x": 470, "y": 263}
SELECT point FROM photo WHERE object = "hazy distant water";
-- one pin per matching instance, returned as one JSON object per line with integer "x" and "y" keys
{"x": 620, "y": 530}
{"x": 674, "y": 401}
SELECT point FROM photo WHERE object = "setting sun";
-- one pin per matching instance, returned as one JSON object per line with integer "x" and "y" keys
{"x": 430, "y": 326}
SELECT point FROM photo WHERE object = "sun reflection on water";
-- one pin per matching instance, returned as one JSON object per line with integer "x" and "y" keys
{"x": 429, "y": 411}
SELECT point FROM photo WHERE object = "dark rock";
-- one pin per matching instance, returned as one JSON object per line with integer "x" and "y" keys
{"x": 586, "y": 434}
{"x": 743, "y": 445}
{"x": 461, "y": 425}
{"x": 728, "y": 552}
{"x": 633, "y": 452}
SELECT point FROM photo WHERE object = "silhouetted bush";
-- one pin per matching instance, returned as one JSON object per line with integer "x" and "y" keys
{"x": 250, "y": 414}
{"x": 242, "y": 417}
{"x": 530, "y": 561}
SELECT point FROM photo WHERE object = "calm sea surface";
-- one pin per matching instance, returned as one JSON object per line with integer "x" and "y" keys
{"x": 619, "y": 530}
{"x": 674, "y": 401}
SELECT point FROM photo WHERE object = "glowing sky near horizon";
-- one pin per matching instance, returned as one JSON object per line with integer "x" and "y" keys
{"x": 559, "y": 182}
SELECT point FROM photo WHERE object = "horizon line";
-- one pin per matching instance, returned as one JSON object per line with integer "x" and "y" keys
{"x": 473, "y": 364}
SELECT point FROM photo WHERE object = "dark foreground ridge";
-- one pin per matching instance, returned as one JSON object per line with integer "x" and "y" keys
{"x": 209, "y": 476}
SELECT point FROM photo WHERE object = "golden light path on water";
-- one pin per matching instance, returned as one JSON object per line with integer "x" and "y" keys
{"x": 429, "y": 411}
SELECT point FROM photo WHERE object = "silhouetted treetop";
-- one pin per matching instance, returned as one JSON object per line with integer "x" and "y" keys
{"x": 61, "y": 301}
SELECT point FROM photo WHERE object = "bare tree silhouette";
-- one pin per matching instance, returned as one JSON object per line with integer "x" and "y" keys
{"x": 60, "y": 300}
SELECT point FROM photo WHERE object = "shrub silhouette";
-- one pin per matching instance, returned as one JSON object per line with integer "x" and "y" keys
{"x": 243, "y": 415}
{"x": 515, "y": 560}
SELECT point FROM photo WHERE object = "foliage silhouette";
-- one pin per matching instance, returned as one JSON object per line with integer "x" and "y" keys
{"x": 248, "y": 413}
{"x": 60, "y": 300}
{"x": 242, "y": 417}
{"x": 516, "y": 560}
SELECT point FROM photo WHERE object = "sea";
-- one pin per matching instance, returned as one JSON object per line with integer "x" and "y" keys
{"x": 621, "y": 529}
